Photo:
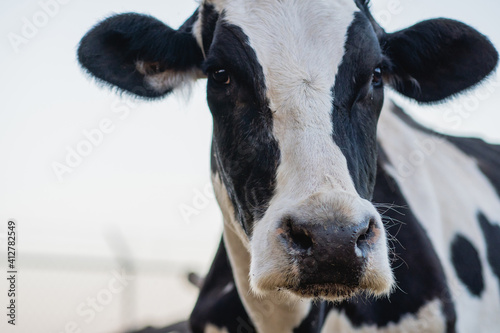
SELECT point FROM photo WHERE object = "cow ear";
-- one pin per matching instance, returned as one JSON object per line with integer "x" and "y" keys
{"x": 141, "y": 55}
{"x": 438, "y": 58}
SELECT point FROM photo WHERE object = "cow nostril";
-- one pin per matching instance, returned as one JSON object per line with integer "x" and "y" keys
{"x": 366, "y": 235}
{"x": 300, "y": 239}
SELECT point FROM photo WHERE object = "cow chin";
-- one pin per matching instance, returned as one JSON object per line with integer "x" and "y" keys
{"x": 372, "y": 283}
{"x": 375, "y": 284}
{"x": 328, "y": 291}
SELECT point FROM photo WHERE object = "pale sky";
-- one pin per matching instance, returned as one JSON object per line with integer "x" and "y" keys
{"x": 155, "y": 160}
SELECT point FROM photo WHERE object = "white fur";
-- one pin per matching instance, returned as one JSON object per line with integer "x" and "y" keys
{"x": 445, "y": 190}
{"x": 429, "y": 319}
{"x": 214, "y": 329}
{"x": 197, "y": 30}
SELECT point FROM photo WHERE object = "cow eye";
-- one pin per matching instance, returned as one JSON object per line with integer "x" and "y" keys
{"x": 221, "y": 76}
{"x": 377, "y": 77}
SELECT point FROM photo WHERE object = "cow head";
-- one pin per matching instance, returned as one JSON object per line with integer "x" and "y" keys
{"x": 295, "y": 89}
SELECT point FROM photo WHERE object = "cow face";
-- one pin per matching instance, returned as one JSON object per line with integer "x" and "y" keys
{"x": 295, "y": 89}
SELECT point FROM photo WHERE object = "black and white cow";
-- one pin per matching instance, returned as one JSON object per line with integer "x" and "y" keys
{"x": 304, "y": 152}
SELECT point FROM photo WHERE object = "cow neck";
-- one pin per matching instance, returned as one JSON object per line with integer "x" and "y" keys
{"x": 272, "y": 313}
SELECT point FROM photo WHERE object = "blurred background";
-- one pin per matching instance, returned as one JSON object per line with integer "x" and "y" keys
{"x": 107, "y": 237}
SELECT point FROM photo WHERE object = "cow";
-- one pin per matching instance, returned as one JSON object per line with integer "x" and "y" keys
{"x": 323, "y": 231}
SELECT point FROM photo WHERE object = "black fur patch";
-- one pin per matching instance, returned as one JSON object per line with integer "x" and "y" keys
{"x": 245, "y": 153}
{"x": 357, "y": 104}
{"x": 465, "y": 259}
{"x": 491, "y": 234}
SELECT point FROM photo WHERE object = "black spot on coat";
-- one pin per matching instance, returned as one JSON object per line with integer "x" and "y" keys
{"x": 465, "y": 259}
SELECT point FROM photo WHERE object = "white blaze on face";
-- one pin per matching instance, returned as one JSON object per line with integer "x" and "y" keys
{"x": 300, "y": 45}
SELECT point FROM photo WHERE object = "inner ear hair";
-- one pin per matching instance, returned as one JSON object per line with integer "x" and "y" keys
{"x": 160, "y": 78}
{"x": 149, "y": 67}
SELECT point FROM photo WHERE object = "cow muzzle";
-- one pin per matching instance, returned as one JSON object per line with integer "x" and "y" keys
{"x": 331, "y": 247}
{"x": 329, "y": 256}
